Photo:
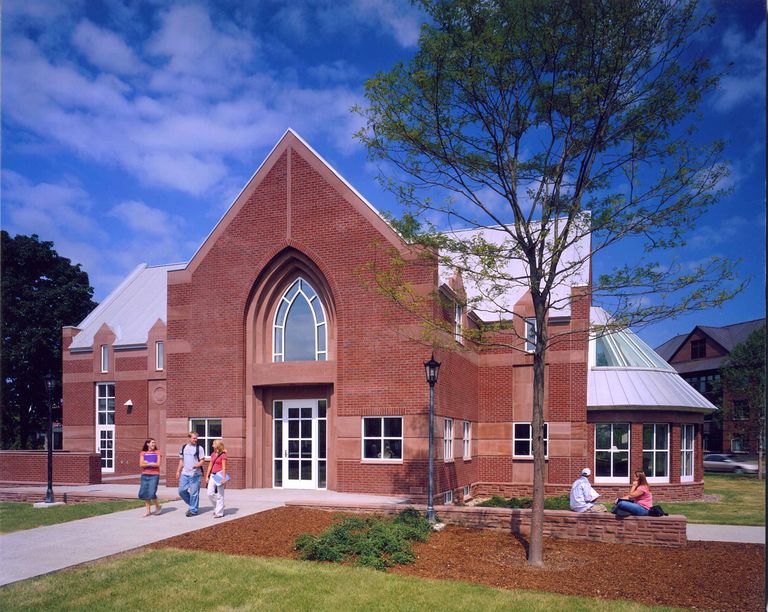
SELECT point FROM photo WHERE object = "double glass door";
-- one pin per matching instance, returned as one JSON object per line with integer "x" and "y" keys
{"x": 299, "y": 443}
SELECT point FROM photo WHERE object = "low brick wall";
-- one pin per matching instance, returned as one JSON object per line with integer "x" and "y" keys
{"x": 31, "y": 467}
{"x": 677, "y": 492}
{"x": 558, "y": 524}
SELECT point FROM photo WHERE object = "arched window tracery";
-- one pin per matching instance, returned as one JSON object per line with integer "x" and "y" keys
{"x": 299, "y": 332}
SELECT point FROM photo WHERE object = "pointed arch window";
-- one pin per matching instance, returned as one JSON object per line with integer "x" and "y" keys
{"x": 300, "y": 330}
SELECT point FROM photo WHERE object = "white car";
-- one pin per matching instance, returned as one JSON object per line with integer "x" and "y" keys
{"x": 728, "y": 463}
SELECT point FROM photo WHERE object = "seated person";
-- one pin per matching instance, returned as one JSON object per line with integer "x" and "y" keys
{"x": 639, "y": 500}
{"x": 583, "y": 496}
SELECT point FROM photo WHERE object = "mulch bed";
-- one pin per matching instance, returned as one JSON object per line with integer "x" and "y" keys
{"x": 703, "y": 575}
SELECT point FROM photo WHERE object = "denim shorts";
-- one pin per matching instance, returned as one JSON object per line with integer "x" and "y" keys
{"x": 148, "y": 486}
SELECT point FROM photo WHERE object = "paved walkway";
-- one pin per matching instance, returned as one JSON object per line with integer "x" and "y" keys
{"x": 34, "y": 552}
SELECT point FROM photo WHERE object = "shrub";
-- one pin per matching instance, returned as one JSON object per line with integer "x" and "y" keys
{"x": 374, "y": 542}
{"x": 559, "y": 502}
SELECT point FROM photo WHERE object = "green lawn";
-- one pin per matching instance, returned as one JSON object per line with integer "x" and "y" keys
{"x": 174, "y": 579}
{"x": 15, "y": 516}
{"x": 742, "y": 502}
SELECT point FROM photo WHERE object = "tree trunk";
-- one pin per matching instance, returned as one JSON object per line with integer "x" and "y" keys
{"x": 536, "y": 544}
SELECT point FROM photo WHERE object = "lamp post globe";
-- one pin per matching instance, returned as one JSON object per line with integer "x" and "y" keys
{"x": 49, "y": 383}
{"x": 432, "y": 370}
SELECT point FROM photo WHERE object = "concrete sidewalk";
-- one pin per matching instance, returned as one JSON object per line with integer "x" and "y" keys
{"x": 34, "y": 552}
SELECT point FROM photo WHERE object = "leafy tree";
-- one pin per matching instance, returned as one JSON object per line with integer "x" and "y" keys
{"x": 552, "y": 124}
{"x": 743, "y": 373}
{"x": 41, "y": 292}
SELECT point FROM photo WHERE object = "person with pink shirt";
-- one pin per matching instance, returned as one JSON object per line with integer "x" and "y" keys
{"x": 639, "y": 500}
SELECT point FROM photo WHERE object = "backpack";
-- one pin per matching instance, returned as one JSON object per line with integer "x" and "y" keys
{"x": 197, "y": 456}
{"x": 657, "y": 511}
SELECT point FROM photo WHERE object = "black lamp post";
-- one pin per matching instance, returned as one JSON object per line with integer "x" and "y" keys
{"x": 432, "y": 369}
{"x": 49, "y": 382}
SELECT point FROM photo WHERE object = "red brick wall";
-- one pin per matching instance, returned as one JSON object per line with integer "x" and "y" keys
{"x": 668, "y": 531}
{"x": 31, "y": 467}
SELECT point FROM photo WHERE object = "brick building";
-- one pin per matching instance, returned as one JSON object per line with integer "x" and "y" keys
{"x": 698, "y": 357}
{"x": 273, "y": 337}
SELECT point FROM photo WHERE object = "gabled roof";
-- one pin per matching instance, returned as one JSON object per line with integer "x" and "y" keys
{"x": 727, "y": 336}
{"x": 515, "y": 271}
{"x": 131, "y": 309}
{"x": 291, "y": 141}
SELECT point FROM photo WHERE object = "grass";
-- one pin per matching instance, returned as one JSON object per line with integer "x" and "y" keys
{"x": 742, "y": 502}
{"x": 209, "y": 581}
{"x": 15, "y": 516}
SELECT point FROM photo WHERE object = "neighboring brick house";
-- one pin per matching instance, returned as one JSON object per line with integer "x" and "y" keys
{"x": 274, "y": 338}
{"x": 698, "y": 357}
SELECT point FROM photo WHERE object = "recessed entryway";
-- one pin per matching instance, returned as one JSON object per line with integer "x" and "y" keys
{"x": 299, "y": 443}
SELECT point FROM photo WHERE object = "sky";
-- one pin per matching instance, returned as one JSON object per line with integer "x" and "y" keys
{"x": 129, "y": 127}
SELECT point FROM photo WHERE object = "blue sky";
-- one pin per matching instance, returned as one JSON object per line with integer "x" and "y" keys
{"x": 129, "y": 127}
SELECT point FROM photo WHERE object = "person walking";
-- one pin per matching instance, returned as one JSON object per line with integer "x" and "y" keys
{"x": 149, "y": 461}
{"x": 216, "y": 477}
{"x": 190, "y": 472}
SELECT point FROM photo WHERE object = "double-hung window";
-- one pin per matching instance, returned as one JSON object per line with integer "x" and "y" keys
{"x": 448, "y": 439}
{"x": 656, "y": 452}
{"x": 687, "y": 437}
{"x": 522, "y": 440}
{"x": 382, "y": 437}
{"x": 467, "y": 439}
{"x": 612, "y": 452}
{"x": 207, "y": 431}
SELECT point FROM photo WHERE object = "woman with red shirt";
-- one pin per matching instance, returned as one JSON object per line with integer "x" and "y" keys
{"x": 640, "y": 499}
{"x": 149, "y": 461}
{"x": 216, "y": 477}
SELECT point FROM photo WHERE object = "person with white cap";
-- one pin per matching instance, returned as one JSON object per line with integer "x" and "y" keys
{"x": 583, "y": 496}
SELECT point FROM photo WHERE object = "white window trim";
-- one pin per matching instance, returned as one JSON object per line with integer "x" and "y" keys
{"x": 447, "y": 498}
{"x": 467, "y": 491}
{"x": 104, "y": 358}
{"x": 106, "y": 427}
{"x": 658, "y": 479}
{"x": 529, "y": 329}
{"x": 466, "y": 440}
{"x": 207, "y": 436}
{"x": 458, "y": 323}
{"x": 692, "y": 451}
{"x": 448, "y": 439}
{"x": 319, "y": 355}
{"x": 529, "y": 439}
{"x": 159, "y": 356}
{"x": 628, "y": 450}
{"x": 363, "y": 438}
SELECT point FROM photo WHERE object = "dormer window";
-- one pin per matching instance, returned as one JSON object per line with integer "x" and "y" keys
{"x": 458, "y": 315}
{"x": 698, "y": 349}
{"x": 104, "y": 358}
{"x": 299, "y": 331}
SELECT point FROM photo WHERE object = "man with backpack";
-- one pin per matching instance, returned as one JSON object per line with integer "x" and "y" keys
{"x": 189, "y": 473}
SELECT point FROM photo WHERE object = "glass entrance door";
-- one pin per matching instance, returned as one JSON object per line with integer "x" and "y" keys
{"x": 299, "y": 444}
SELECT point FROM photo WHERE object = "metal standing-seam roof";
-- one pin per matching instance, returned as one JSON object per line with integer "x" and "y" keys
{"x": 632, "y": 376}
{"x": 131, "y": 309}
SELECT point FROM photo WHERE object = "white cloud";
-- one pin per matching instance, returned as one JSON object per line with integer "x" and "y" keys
{"x": 745, "y": 78}
{"x": 142, "y": 218}
{"x": 725, "y": 232}
{"x": 105, "y": 49}
{"x": 400, "y": 19}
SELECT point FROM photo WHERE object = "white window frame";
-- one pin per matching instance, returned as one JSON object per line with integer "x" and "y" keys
{"x": 321, "y": 326}
{"x": 382, "y": 439}
{"x": 688, "y": 451}
{"x": 530, "y": 335}
{"x": 448, "y": 439}
{"x": 458, "y": 325}
{"x": 652, "y": 478}
{"x": 105, "y": 431}
{"x": 614, "y": 450}
{"x": 467, "y": 491}
{"x": 104, "y": 358}
{"x": 159, "y": 355}
{"x": 467, "y": 439}
{"x": 447, "y": 498}
{"x": 529, "y": 439}
{"x": 206, "y": 439}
